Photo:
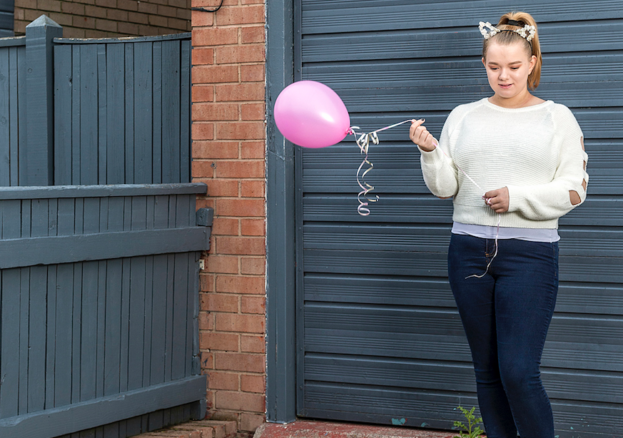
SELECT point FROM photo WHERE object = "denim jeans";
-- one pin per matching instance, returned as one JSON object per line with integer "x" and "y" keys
{"x": 506, "y": 315}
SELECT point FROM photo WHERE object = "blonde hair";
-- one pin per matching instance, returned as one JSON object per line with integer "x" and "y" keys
{"x": 533, "y": 47}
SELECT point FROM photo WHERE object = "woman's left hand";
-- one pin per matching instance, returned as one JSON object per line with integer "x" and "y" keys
{"x": 497, "y": 199}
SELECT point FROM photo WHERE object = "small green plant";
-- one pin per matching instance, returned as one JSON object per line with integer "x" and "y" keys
{"x": 472, "y": 430}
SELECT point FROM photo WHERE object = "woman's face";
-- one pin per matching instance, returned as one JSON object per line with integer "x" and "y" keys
{"x": 508, "y": 68}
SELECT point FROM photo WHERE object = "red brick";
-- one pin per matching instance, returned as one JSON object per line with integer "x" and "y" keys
{"x": 252, "y": 189}
{"x": 215, "y": 302}
{"x": 214, "y": 74}
{"x": 147, "y": 8}
{"x": 179, "y": 3}
{"x": 127, "y": 28}
{"x": 207, "y": 360}
{"x": 157, "y": 20}
{"x": 255, "y": 265}
{"x": 250, "y": 422}
{"x": 201, "y": 201}
{"x": 72, "y": 32}
{"x": 252, "y": 227}
{"x": 27, "y": 4}
{"x": 241, "y": 285}
{"x": 89, "y": 33}
{"x": 241, "y": 245}
{"x": 226, "y": 227}
{"x": 237, "y": 54}
{"x": 240, "y": 15}
{"x": 203, "y": 131}
{"x": 202, "y": 93}
{"x": 240, "y": 169}
{"x": 252, "y": 149}
{"x": 252, "y": 383}
{"x": 211, "y": 4}
{"x": 49, "y": 5}
{"x": 253, "y": 363}
{"x": 215, "y": 36}
{"x": 252, "y": 34}
{"x": 215, "y": 149}
{"x": 206, "y": 321}
{"x": 106, "y": 3}
{"x": 219, "y": 380}
{"x": 85, "y": 22}
{"x": 202, "y": 169}
{"x": 166, "y": 11}
{"x": 252, "y": 2}
{"x": 252, "y": 73}
{"x": 71, "y": 8}
{"x": 240, "y": 92}
{"x": 214, "y": 111}
{"x": 18, "y": 13}
{"x": 231, "y": 322}
{"x": 95, "y": 11}
{"x": 201, "y": 56}
{"x": 253, "y": 304}
{"x": 252, "y": 111}
{"x": 241, "y": 131}
{"x": 223, "y": 265}
{"x": 253, "y": 343}
{"x": 240, "y": 207}
{"x": 200, "y": 18}
{"x": 218, "y": 341}
{"x": 136, "y": 17}
{"x": 185, "y": 14}
{"x": 223, "y": 188}
{"x": 107, "y": 25}
{"x": 240, "y": 401}
{"x": 60, "y": 18}
{"x": 129, "y": 5}
{"x": 118, "y": 15}
{"x": 206, "y": 283}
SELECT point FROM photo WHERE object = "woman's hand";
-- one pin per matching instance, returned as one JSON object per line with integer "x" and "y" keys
{"x": 421, "y": 137}
{"x": 498, "y": 200}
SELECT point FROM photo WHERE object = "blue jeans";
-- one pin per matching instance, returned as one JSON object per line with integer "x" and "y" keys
{"x": 506, "y": 315}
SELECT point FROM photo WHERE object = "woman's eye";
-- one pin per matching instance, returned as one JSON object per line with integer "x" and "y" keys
{"x": 515, "y": 68}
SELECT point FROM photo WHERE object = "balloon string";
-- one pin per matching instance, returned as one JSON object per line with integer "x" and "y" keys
{"x": 363, "y": 141}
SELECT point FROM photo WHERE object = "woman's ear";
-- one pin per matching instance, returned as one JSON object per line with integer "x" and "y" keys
{"x": 484, "y": 63}
{"x": 532, "y": 64}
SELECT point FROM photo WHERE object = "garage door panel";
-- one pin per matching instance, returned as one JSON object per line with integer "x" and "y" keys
{"x": 428, "y": 209}
{"x": 460, "y": 42}
{"x": 605, "y": 299}
{"x": 352, "y": 16}
{"x": 434, "y": 264}
{"x": 598, "y": 386}
{"x": 441, "y": 72}
{"x": 585, "y": 356}
{"x": 583, "y": 329}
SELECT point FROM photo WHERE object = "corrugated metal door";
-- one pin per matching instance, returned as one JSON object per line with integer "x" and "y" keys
{"x": 379, "y": 337}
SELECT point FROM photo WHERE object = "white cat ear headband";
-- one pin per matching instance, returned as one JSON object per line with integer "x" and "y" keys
{"x": 527, "y": 32}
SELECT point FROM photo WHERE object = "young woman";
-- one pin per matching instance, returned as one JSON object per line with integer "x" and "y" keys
{"x": 528, "y": 165}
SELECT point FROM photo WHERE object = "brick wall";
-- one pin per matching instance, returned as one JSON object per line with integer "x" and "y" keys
{"x": 229, "y": 155}
{"x": 107, "y": 18}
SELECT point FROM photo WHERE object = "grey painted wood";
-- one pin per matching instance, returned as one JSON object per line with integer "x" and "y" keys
{"x": 177, "y": 36}
{"x": 59, "y": 421}
{"x": 129, "y": 113}
{"x": 378, "y": 331}
{"x": 9, "y": 391}
{"x": 97, "y": 191}
{"x": 62, "y": 109}
{"x": 102, "y": 113}
{"x": 6, "y": 18}
{"x": 13, "y": 41}
{"x": 171, "y": 111}
{"x": 143, "y": 116}
{"x": 281, "y": 307}
{"x": 12, "y": 105}
{"x": 88, "y": 115}
{"x": 185, "y": 101}
{"x": 5, "y": 109}
{"x": 36, "y": 154}
{"x": 115, "y": 117}
{"x": 157, "y": 146}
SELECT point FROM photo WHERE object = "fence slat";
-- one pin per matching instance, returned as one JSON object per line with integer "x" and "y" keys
{"x": 63, "y": 86}
{"x": 115, "y": 116}
{"x": 50, "y": 349}
{"x": 89, "y": 115}
{"x": 24, "y": 292}
{"x": 129, "y": 113}
{"x": 157, "y": 109}
{"x": 170, "y": 111}
{"x": 185, "y": 156}
{"x": 16, "y": 53}
{"x": 9, "y": 390}
{"x": 75, "y": 115}
{"x": 143, "y": 116}
{"x": 5, "y": 110}
{"x": 102, "y": 112}
{"x": 76, "y": 370}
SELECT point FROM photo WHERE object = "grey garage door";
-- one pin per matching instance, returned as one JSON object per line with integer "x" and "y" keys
{"x": 379, "y": 337}
{"x": 6, "y": 18}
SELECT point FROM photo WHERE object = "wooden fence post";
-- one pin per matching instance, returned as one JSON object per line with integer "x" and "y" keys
{"x": 36, "y": 159}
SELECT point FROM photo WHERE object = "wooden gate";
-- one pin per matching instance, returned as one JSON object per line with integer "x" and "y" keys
{"x": 99, "y": 279}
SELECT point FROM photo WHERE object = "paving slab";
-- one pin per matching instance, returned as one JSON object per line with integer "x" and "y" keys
{"x": 328, "y": 429}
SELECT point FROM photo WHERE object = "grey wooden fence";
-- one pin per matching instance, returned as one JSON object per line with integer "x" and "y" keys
{"x": 6, "y": 17}
{"x": 99, "y": 306}
{"x": 100, "y": 243}
{"x": 93, "y": 111}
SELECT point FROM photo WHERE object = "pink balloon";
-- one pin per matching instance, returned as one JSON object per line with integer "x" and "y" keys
{"x": 311, "y": 115}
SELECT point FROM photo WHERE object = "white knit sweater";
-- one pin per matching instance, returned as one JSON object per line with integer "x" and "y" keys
{"x": 536, "y": 151}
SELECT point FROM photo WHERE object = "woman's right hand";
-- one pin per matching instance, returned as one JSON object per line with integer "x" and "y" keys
{"x": 421, "y": 137}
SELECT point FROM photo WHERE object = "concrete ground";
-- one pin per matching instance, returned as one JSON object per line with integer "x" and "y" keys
{"x": 327, "y": 429}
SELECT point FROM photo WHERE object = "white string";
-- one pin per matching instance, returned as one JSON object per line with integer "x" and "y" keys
{"x": 499, "y": 217}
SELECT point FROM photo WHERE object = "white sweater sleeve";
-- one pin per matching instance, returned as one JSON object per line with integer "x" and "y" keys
{"x": 552, "y": 200}
{"x": 438, "y": 170}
